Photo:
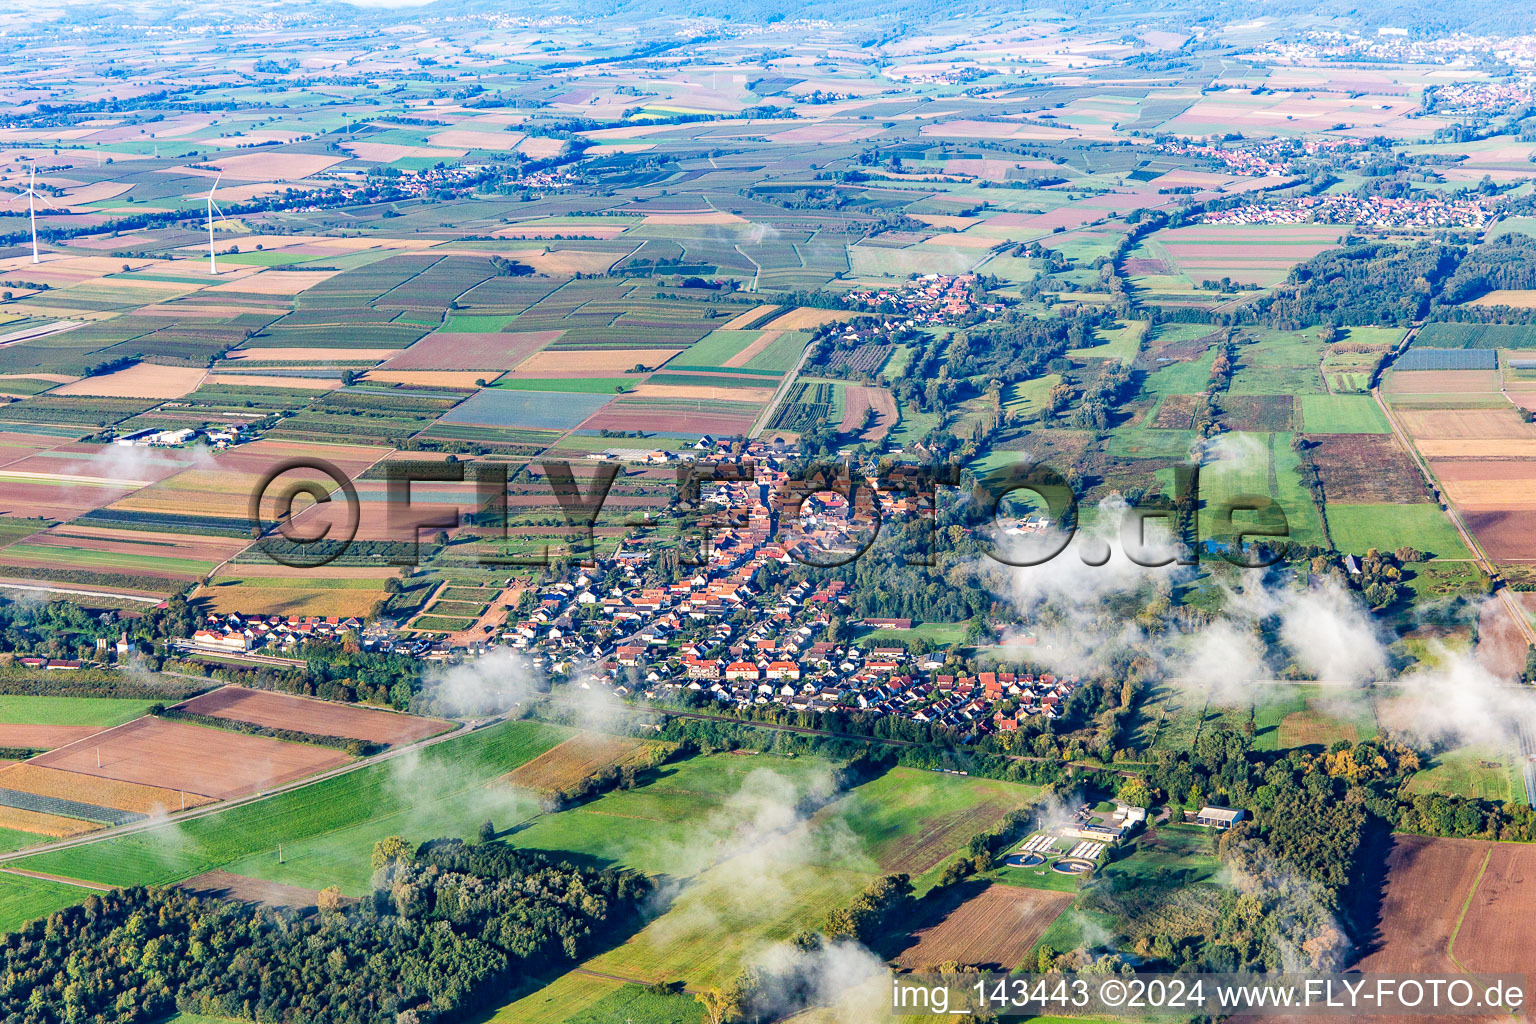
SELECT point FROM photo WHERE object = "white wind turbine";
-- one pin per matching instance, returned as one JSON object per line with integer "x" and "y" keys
{"x": 33, "y": 195}
{"x": 213, "y": 266}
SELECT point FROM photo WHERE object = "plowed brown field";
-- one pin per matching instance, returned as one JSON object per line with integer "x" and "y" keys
{"x": 180, "y": 756}
{"x": 322, "y": 718}
{"x": 997, "y": 928}
{"x": 43, "y": 737}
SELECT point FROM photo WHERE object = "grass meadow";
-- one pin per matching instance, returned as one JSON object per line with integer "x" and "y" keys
{"x": 426, "y": 778}
{"x": 103, "y": 711}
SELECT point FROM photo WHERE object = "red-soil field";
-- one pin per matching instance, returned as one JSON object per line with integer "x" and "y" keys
{"x": 224, "y": 488}
{"x": 177, "y": 755}
{"x": 997, "y": 927}
{"x": 304, "y": 714}
{"x": 620, "y": 417}
{"x": 1440, "y": 382}
{"x": 43, "y": 737}
{"x": 1501, "y": 646}
{"x": 565, "y": 765}
{"x": 1428, "y": 882}
{"x": 858, "y": 397}
{"x": 1496, "y": 502}
{"x": 57, "y": 499}
{"x": 381, "y": 519}
{"x": 1499, "y": 931}
{"x": 1367, "y": 469}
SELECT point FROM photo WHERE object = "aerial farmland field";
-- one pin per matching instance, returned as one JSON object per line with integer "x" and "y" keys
{"x": 370, "y": 799}
{"x": 280, "y": 711}
{"x": 189, "y": 758}
{"x": 997, "y": 926}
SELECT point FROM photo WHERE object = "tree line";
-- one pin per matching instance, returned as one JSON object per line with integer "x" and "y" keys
{"x": 447, "y": 930}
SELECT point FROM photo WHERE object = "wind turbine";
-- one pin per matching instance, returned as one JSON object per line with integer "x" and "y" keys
{"x": 213, "y": 266}
{"x": 33, "y": 195}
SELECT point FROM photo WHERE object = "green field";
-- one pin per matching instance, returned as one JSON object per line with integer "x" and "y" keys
{"x": 1342, "y": 414}
{"x": 725, "y": 915}
{"x": 749, "y": 874}
{"x": 893, "y": 813}
{"x": 1026, "y": 399}
{"x": 1293, "y": 349}
{"x": 339, "y": 856}
{"x": 1454, "y": 335}
{"x": 1358, "y": 528}
{"x": 441, "y": 624}
{"x": 468, "y": 323}
{"x": 104, "y": 711}
{"x": 1350, "y": 372}
{"x": 1254, "y": 464}
{"x": 1259, "y": 379}
{"x": 667, "y": 827}
{"x": 1160, "y": 716}
{"x": 1119, "y": 342}
{"x": 97, "y": 559}
{"x": 10, "y": 839}
{"x": 427, "y": 780}
{"x": 584, "y": 999}
{"x": 559, "y": 1001}
{"x": 670, "y": 826}
{"x": 14, "y": 528}
{"x": 1474, "y": 774}
{"x": 22, "y": 899}
{"x": 1041, "y": 877}
{"x": 715, "y": 348}
{"x": 1163, "y": 855}
{"x": 1371, "y": 335}
{"x": 579, "y": 385}
{"x": 1185, "y": 378}
{"x": 781, "y": 354}
{"x": 1172, "y": 718}
{"x": 1292, "y": 715}
{"x": 931, "y": 634}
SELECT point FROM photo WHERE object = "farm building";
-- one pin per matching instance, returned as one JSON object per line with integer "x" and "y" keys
{"x": 1219, "y": 817}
